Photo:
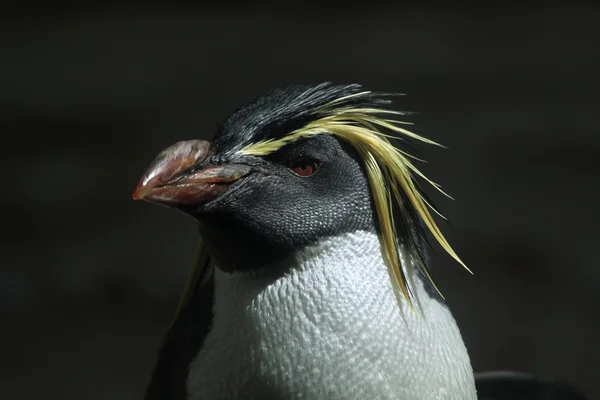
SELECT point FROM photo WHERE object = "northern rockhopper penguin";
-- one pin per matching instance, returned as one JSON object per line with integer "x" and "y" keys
{"x": 311, "y": 279}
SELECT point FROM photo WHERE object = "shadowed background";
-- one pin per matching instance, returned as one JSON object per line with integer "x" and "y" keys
{"x": 89, "y": 279}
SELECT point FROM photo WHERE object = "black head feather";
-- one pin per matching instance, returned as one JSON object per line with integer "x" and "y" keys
{"x": 284, "y": 110}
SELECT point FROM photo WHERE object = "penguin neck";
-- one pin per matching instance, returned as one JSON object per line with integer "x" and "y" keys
{"x": 331, "y": 326}
{"x": 347, "y": 266}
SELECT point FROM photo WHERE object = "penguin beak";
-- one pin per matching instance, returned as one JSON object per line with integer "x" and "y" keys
{"x": 172, "y": 180}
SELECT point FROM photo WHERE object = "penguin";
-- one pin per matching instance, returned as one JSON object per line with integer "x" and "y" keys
{"x": 311, "y": 278}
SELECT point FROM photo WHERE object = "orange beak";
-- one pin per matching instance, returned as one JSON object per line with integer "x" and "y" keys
{"x": 173, "y": 180}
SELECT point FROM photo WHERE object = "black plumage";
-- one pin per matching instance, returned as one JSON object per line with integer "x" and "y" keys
{"x": 284, "y": 110}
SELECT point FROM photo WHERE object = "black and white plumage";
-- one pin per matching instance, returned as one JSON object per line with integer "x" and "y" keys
{"x": 311, "y": 281}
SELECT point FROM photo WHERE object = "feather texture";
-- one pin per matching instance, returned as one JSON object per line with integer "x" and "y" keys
{"x": 330, "y": 328}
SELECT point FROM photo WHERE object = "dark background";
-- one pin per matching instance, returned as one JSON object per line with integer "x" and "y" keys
{"x": 88, "y": 96}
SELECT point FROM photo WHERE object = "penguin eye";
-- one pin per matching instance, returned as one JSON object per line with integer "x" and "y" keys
{"x": 304, "y": 167}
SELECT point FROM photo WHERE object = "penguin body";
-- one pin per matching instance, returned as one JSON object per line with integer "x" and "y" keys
{"x": 329, "y": 328}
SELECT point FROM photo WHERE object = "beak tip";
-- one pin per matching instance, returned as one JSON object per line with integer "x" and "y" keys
{"x": 140, "y": 191}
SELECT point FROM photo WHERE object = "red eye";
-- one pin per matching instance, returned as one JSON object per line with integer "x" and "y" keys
{"x": 305, "y": 168}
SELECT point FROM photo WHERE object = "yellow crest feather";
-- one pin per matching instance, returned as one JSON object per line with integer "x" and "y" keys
{"x": 389, "y": 170}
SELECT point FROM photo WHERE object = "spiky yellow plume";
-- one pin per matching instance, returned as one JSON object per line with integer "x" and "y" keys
{"x": 389, "y": 170}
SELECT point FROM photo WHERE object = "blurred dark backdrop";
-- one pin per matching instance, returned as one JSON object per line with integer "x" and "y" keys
{"x": 89, "y": 279}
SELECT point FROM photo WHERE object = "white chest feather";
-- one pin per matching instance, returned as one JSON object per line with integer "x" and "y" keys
{"x": 331, "y": 328}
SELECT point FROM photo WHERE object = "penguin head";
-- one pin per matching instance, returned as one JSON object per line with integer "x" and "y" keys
{"x": 297, "y": 165}
{"x": 305, "y": 191}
